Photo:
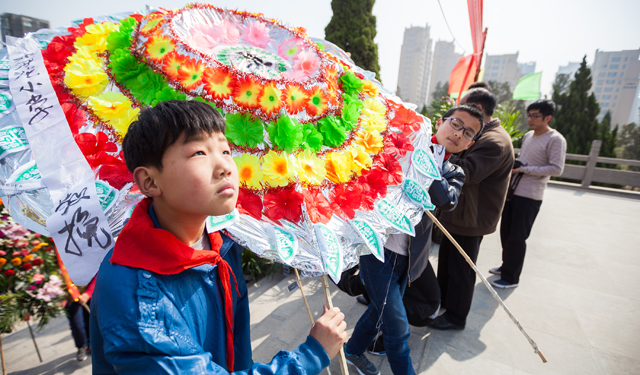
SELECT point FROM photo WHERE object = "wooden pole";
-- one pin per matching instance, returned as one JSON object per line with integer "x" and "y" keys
{"x": 486, "y": 283}
{"x": 306, "y": 304}
{"x": 4, "y": 368}
{"x": 34, "y": 340}
{"x": 327, "y": 298}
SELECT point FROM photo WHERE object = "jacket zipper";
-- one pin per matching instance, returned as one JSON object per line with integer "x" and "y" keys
{"x": 409, "y": 263}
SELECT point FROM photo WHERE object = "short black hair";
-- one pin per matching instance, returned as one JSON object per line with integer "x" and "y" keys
{"x": 483, "y": 97}
{"x": 545, "y": 106}
{"x": 479, "y": 85}
{"x": 159, "y": 127}
{"x": 472, "y": 110}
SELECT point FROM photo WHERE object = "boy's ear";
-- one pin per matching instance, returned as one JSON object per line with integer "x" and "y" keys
{"x": 144, "y": 178}
{"x": 438, "y": 123}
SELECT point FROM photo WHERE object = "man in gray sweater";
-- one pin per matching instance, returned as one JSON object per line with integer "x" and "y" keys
{"x": 542, "y": 156}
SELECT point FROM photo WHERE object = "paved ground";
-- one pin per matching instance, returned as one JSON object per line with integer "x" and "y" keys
{"x": 579, "y": 298}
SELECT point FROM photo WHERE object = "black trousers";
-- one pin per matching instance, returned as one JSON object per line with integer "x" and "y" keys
{"x": 456, "y": 278}
{"x": 518, "y": 216}
{"x": 79, "y": 322}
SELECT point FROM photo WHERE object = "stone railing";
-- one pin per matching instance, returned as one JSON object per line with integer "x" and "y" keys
{"x": 590, "y": 173}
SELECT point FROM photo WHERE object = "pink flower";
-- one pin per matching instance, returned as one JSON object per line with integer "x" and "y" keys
{"x": 25, "y": 252}
{"x": 257, "y": 34}
{"x": 32, "y": 287}
{"x": 38, "y": 278}
{"x": 226, "y": 32}
{"x": 294, "y": 75}
{"x": 2, "y": 253}
{"x": 307, "y": 62}
{"x": 35, "y": 242}
{"x": 16, "y": 254}
{"x": 201, "y": 38}
{"x": 290, "y": 48}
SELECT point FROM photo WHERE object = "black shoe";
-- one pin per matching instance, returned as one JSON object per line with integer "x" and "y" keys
{"x": 82, "y": 354}
{"x": 442, "y": 323}
{"x": 362, "y": 300}
{"x": 361, "y": 363}
{"x": 377, "y": 347}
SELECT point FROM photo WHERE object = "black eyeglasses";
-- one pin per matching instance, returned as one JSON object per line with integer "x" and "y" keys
{"x": 456, "y": 124}
{"x": 535, "y": 116}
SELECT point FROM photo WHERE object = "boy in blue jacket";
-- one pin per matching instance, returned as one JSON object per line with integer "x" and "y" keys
{"x": 167, "y": 299}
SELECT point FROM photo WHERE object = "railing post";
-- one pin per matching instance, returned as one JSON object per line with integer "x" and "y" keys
{"x": 591, "y": 163}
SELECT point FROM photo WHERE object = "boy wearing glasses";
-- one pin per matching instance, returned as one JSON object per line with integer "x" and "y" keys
{"x": 542, "y": 156}
{"x": 487, "y": 167}
{"x": 407, "y": 258}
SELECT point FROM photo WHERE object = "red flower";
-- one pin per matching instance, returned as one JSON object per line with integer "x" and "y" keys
{"x": 249, "y": 203}
{"x": 37, "y": 262}
{"x": 359, "y": 75}
{"x": 398, "y": 143}
{"x": 348, "y": 197}
{"x": 26, "y": 266}
{"x": 374, "y": 179}
{"x": 94, "y": 147}
{"x": 318, "y": 207}
{"x": 115, "y": 173}
{"x": 9, "y": 273}
{"x": 405, "y": 119}
{"x": 284, "y": 204}
{"x": 81, "y": 29}
{"x": 392, "y": 170}
{"x": 75, "y": 117}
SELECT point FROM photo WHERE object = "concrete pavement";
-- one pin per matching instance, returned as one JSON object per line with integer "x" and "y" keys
{"x": 579, "y": 299}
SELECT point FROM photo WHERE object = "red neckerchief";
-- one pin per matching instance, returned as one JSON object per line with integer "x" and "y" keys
{"x": 142, "y": 245}
{"x": 435, "y": 142}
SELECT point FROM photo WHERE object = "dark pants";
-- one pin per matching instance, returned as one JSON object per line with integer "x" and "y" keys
{"x": 385, "y": 284}
{"x": 456, "y": 278}
{"x": 422, "y": 298}
{"x": 518, "y": 216}
{"x": 79, "y": 321}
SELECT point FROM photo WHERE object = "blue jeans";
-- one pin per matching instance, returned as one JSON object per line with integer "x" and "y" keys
{"x": 377, "y": 278}
{"x": 79, "y": 322}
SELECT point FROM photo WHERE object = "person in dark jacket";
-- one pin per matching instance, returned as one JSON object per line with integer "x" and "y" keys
{"x": 167, "y": 299}
{"x": 406, "y": 259}
{"x": 487, "y": 167}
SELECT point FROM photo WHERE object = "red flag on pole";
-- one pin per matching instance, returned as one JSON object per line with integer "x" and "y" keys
{"x": 460, "y": 78}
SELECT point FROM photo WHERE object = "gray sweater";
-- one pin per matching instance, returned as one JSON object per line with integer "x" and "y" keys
{"x": 544, "y": 157}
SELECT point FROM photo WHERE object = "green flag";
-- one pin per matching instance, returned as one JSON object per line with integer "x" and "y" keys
{"x": 528, "y": 87}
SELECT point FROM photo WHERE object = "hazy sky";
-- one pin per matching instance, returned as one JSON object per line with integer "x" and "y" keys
{"x": 549, "y": 32}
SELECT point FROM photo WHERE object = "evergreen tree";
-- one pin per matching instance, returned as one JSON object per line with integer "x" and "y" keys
{"x": 609, "y": 138}
{"x": 353, "y": 28}
{"x": 576, "y": 112}
{"x": 442, "y": 89}
{"x": 629, "y": 142}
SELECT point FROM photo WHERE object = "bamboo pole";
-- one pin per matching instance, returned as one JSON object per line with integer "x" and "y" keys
{"x": 304, "y": 298}
{"x": 327, "y": 298}
{"x": 34, "y": 340}
{"x": 4, "y": 368}
{"x": 486, "y": 283}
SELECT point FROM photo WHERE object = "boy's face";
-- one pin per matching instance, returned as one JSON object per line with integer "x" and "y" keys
{"x": 454, "y": 140}
{"x": 536, "y": 120}
{"x": 198, "y": 177}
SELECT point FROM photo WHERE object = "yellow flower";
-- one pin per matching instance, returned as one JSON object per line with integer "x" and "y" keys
{"x": 370, "y": 140}
{"x": 27, "y": 258}
{"x": 358, "y": 159}
{"x": 370, "y": 89}
{"x": 374, "y": 106}
{"x": 249, "y": 171}
{"x": 312, "y": 169}
{"x": 85, "y": 77}
{"x": 84, "y": 54}
{"x": 278, "y": 169}
{"x": 115, "y": 109}
{"x": 338, "y": 168}
{"x": 95, "y": 39}
{"x": 374, "y": 122}
{"x": 16, "y": 261}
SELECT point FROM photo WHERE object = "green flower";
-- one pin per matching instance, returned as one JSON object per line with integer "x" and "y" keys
{"x": 286, "y": 133}
{"x": 168, "y": 93}
{"x": 244, "y": 130}
{"x": 125, "y": 67}
{"x": 121, "y": 39}
{"x": 145, "y": 86}
{"x": 333, "y": 132}
{"x": 311, "y": 138}
{"x": 351, "y": 84}
{"x": 351, "y": 112}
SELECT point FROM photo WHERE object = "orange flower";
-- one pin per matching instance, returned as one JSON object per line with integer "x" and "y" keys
{"x": 172, "y": 63}
{"x": 295, "y": 99}
{"x": 190, "y": 73}
{"x": 16, "y": 261}
{"x": 152, "y": 25}
{"x": 370, "y": 89}
{"x": 218, "y": 83}
{"x": 246, "y": 92}
{"x": 2, "y": 262}
{"x": 158, "y": 47}
{"x": 318, "y": 102}
{"x": 269, "y": 99}
{"x": 371, "y": 141}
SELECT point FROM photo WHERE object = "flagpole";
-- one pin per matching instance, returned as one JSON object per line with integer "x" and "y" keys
{"x": 484, "y": 39}
{"x": 327, "y": 298}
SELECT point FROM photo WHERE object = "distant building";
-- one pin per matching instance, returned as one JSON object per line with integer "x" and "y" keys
{"x": 570, "y": 69}
{"x": 444, "y": 60}
{"x": 17, "y": 25}
{"x": 615, "y": 78}
{"x": 415, "y": 65}
{"x": 505, "y": 68}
